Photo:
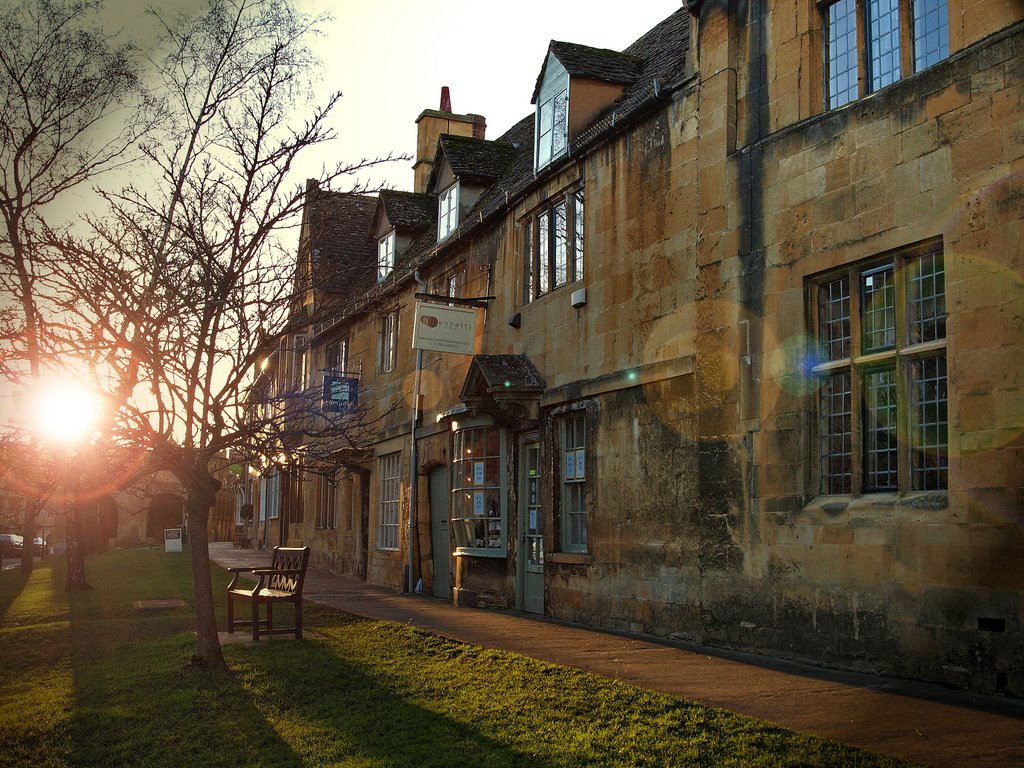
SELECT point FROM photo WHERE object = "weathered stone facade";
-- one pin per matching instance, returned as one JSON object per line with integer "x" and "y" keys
{"x": 680, "y": 418}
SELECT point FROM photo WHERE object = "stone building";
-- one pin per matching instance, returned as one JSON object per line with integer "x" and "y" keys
{"x": 747, "y": 363}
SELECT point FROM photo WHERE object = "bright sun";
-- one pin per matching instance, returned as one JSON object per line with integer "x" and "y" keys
{"x": 65, "y": 411}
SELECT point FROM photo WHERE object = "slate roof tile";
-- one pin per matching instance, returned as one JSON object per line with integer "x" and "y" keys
{"x": 410, "y": 210}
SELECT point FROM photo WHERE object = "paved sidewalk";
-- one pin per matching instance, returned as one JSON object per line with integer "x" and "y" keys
{"x": 923, "y": 723}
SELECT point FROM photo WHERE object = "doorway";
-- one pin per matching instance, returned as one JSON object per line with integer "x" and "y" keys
{"x": 440, "y": 543}
{"x": 530, "y": 560}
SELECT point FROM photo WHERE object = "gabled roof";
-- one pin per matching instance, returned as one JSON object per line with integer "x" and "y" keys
{"x": 337, "y": 236}
{"x": 591, "y": 63}
{"x": 407, "y": 210}
{"x": 472, "y": 159}
{"x": 490, "y": 374}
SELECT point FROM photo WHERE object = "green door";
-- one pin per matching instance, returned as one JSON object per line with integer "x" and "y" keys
{"x": 531, "y": 530}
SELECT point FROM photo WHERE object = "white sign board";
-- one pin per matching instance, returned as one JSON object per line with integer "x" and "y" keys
{"x": 442, "y": 328}
{"x": 172, "y": 539}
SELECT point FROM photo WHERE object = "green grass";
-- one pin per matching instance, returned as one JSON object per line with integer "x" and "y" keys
{"x": 87, "y": 680}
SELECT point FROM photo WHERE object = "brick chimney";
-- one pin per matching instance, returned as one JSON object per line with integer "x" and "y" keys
{"x": 431, "y": 124}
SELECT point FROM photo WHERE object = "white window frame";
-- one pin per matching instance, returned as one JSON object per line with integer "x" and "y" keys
{"x": 448, "y": 212}
{"x": 479, "y": 496}
{"x": 385, "y": 256}
{"x": 389, "y": 466}
{"x": 573, "y": 480}
{"x": 270, "y": 495}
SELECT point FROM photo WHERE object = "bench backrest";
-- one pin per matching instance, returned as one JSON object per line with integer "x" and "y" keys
{"x": 289, "y": 559}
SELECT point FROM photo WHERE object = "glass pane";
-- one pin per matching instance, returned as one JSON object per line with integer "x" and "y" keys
{"x": 926, "y": 283}
{"x": 834, "y": 319}
{"x": 561, "y": 123}
{"x": 880, "y": 456}
{"x": 560, "y": 273}
{"x": 929, "y": 430}
{"x": 577, "y": 240}
{"x": 884, "y": 36}
{"x": 842, "y": 53}
{"x": 931, "y": 33}
{"x": 836, "y": 434}
{"x": 543, "y": 254}
{"x": 878, "y": 311}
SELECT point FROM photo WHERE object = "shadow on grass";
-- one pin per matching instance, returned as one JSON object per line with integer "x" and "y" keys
{"x": 320, "y": 697}
{"x": 12, "y": 583}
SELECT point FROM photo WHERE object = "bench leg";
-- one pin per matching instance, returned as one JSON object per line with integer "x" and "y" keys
{"x": 231, "y": 614}
{"x": 298, "y": 619}
{"x": 255, "y": 620}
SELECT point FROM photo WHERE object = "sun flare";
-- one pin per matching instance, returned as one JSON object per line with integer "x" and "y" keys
{"x": 65, "y": 411}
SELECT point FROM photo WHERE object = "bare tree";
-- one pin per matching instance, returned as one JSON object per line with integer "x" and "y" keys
{"x": 65, "y": 88}
{"x": 187, "y": 281}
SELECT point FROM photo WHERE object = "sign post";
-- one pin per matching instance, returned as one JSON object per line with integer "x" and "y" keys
{"x": 172, "y": 539}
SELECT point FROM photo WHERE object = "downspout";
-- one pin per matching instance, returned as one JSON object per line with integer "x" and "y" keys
{"x": 412, "y": 452}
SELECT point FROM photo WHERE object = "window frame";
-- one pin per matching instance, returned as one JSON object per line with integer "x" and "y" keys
{"x": 448, "y": 212}
{"x": 387, "y": 342}
{"x": 859, "y": 450}
{"x": 326, "y": 504}
{"x": 554, "y": 244}
{"x": 389, "y": 501}
{"x": 572, "y": 480}
{"x": 386, "y": 255}
{"x": 910, "y": 33}
{"x": 479, "y": 480}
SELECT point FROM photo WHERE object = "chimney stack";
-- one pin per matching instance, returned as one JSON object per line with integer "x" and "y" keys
{"x": 430, "y": 125}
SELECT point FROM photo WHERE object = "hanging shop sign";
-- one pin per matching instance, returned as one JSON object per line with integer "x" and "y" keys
{"x": 341, "y": 394}
{"x": 442, "y": 328}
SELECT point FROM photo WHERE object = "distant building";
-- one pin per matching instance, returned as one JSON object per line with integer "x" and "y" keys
{"x": 748, "y": 370}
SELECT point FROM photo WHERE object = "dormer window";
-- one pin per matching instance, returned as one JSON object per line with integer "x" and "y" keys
{"x": 385, "y": 255}
{"x": 552, "y": 118}
{"x": 447, "y": 212}
{"x": 552, "y": 124}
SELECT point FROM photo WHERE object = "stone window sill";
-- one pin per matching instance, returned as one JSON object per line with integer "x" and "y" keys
{"x": 571, "y": 558}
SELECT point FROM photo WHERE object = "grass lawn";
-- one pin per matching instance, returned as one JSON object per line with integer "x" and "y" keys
{"x": 88, "y": 680}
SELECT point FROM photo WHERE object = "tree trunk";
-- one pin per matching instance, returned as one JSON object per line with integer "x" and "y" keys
{"x": 76, "y": 554}
{"x": 200, "y": 498}
{"x": 28, "y": 533}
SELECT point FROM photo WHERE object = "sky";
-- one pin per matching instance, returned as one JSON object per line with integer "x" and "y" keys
{"x": 390, "y": 59}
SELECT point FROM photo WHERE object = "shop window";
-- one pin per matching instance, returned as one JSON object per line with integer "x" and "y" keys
{"x": 479, "y": 489}
{"x": 326, "y": 511}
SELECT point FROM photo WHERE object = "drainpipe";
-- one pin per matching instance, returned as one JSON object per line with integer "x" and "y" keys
{"x": 410, "y": 584}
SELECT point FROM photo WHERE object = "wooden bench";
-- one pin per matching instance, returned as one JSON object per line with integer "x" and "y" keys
{"x": 280, "y": 583}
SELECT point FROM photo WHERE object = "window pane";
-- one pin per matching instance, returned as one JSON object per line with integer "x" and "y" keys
{"x": 577, "y": 240}
{"x": 560, "y": 273}
{"x": 836, "y": 433}
{"x": 390, "y": 491}
{"x": 884, "y": 39}
{"x": 880, "y": 460}
{"x": 931, "y": 33}
{"x": 476, "y": 488}
{"x": 842, "y": 53}
{"x": 574, "y": 487}
{"x": 878, "y": 310}
{"x": 929, "y": 435}
{"x": 528, "y": 266}
{"x": 559, "y": 129}
{"x": 543, "y": 253}
{"x": 926, "y": 282}
{"x": 834, "y": 319}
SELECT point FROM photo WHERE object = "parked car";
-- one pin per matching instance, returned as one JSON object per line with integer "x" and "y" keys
{"x": 38, "y": 545}
{"x": 10, "y": 544}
